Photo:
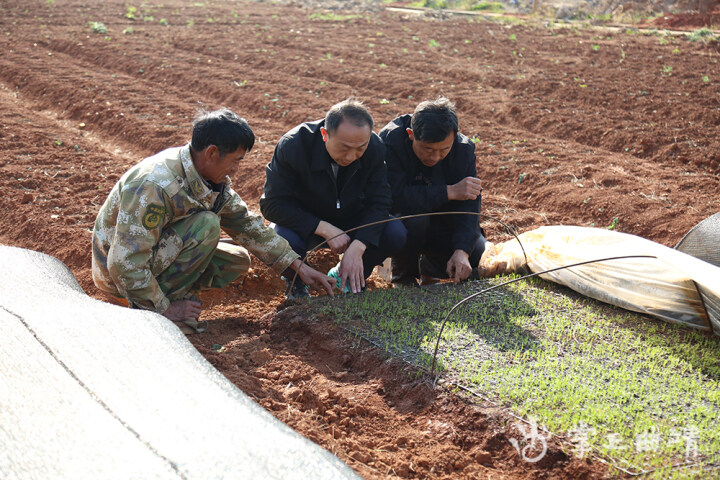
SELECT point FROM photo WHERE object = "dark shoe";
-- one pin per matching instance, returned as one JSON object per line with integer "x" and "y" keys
{"x": 404, "y": 269}
{"x": 433, "y": 266}
{"x": 426, "y": 280}
{"x": 299, "y": 289}
{"x": 404, "y": 282}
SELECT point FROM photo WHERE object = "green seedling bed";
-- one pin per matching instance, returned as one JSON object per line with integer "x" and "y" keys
{"x": 639, "y": 393}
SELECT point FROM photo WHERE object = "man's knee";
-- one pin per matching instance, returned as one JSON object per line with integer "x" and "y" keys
{"x": 233, "y": 258}
{"x": 394, "y": 236}
{"x": 228, "y": 263}
{"x": 478, "y": 250}
{"x": 203, "y": 227}
{"x": 297, "y": 243}
{"x": 186, "y": 241}
{"x": 417, "y": 226}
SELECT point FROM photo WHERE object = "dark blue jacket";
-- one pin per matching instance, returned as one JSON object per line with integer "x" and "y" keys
{"x": 420, "y": 189}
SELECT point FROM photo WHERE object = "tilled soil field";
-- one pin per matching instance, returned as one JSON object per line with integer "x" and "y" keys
{"x": 573, "y": 126}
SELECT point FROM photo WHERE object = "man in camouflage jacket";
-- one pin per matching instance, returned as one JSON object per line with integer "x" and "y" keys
{"x": 156, "y": 238}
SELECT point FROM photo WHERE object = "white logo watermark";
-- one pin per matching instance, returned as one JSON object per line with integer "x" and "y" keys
{"x": 530, "y": 440}
{"x": 533, "y": 446}
{"x": 580, "y": 436}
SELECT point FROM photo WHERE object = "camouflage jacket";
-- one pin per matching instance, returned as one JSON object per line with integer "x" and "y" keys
{"x": 158, "y": 191}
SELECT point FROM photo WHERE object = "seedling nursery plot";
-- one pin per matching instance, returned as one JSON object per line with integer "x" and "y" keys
{"x": 583, "y": 118}
{"x": 640, "y": 394}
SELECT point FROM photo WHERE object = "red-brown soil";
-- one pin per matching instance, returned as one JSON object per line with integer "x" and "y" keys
{"x": 574, "y": 126}
{"x": 688, "y": 20}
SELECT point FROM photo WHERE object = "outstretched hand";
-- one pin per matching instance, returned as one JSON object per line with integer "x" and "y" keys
{"x": 458, "y": 267}
{"x": 352, "y": 271}
{"x": 313, "y": 278}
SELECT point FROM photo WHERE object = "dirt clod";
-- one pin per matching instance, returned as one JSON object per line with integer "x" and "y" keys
{"x": 484, "y": 458}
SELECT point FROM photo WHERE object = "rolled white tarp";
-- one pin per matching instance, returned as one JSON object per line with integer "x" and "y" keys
{"x": 92, "y": 390}
{"x": 672, "y": 285}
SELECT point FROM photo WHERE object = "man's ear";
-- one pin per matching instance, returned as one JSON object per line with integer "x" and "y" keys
{"x": 212, "y": 153}
{"x": 410, "y": 134}
{"x": 324, "y": 134}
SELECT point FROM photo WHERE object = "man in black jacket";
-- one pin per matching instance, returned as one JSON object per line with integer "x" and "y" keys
{"x": 329, "y": 176}
{"x": 431, "y": 168}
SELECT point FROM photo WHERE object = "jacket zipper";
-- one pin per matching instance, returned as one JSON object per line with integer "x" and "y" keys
{"x": 346, "y": 183}
{"x": 337, "y": 190}
{"x": 334, "y": 181}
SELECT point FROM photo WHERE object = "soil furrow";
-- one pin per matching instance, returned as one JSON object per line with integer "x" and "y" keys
{"x": 572, "y": 126}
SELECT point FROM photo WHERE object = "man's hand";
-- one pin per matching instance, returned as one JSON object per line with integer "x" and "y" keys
{"x": 313, "y": 278}
{"x": 351, "y": 267}
{"x": 182, "y": 310}
{"x": 466, "y": 189}
{"x": 458, "y": 267}
{"x": 328, "y": 231}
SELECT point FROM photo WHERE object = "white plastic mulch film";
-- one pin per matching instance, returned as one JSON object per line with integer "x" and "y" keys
{"x": 673, "y": 286}
{"x": 90, "y": 390}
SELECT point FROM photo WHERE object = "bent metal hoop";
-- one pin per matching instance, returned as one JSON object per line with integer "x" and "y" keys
{"x": 508, "y": 228}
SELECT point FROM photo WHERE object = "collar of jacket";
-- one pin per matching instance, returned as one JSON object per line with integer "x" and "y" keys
{"x": 198, "y": 186}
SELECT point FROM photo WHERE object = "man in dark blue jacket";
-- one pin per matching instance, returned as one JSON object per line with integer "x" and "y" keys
{"x": 431, "y": 168}
{"x": 329, "y": 176}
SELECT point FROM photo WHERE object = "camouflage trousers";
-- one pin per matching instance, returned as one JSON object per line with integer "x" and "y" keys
{"x": 189, "y": 257}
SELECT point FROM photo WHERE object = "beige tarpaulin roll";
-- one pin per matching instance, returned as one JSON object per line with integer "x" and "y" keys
{"x": 673, "y": 286}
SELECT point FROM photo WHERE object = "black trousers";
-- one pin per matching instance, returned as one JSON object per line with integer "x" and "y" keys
{"x": 429, "y": 247}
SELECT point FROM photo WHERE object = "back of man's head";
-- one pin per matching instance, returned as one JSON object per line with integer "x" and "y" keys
{"x": 222, "y": 128}
{"x": 434, "y": 120}
{"x": 349, "y": 110}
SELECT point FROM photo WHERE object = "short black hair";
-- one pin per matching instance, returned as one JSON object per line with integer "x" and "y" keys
{"x": 434, "y": 120}
{"x": 352, "y": 110}
{"x": 222, "y": 128}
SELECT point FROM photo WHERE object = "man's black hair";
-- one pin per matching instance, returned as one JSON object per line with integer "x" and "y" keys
{"x": 351, "y": 110}
{"x": 222, "y": 128}
{"x": 434, "y": 120}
